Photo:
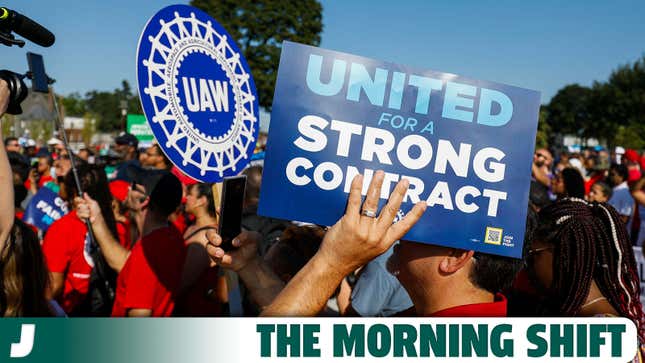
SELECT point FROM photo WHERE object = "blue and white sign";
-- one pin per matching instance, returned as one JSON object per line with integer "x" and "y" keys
{"x": 465, "y": 145}
{"x": 44, "y": 208}
{"x": 197, "y": 93}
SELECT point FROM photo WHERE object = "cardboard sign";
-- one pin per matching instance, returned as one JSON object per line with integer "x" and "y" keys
{"x": 44, "y": 208}
{"x": 197, "y": 93}
{"x": 465, "y": 145}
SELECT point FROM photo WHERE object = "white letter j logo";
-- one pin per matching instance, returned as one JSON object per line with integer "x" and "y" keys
{"x": 26, "y": 343}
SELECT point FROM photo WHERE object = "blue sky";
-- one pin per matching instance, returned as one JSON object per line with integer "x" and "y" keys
{"x": 541, "y": 45}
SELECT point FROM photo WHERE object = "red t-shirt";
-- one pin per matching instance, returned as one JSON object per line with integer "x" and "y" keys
{"x": 41, "y": 182}
{"x": 123, "y": 230}
{"x": 152, "y": 274}
{"x": 65, "y": 248}
{"x": 486, "y": 310}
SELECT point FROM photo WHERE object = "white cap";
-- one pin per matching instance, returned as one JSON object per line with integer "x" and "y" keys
{"x": 620, "y": 150}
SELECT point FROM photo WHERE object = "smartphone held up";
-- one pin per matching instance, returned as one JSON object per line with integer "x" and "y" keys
{"x": 231, "y": 201}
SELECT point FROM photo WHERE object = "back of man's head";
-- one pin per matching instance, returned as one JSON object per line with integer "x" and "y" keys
{"x": 496, "y": 273}
{"x": 165, "y": 195}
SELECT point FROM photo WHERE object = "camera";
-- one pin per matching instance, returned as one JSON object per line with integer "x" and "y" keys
{"x": 13, "y": 22}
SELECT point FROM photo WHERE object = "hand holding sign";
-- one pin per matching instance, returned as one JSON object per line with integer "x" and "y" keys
{"x": 360, "y": 235}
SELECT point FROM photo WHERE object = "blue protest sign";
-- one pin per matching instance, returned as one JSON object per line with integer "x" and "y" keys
{"x": 465, "y": 145}
{"x": 197, "y": 93}
{"x": 44, "y": 208}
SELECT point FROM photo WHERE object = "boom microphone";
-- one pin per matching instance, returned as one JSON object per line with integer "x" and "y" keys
{"x": 13, "y": 21}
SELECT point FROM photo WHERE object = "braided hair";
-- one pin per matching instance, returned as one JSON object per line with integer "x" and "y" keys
{"x": 591, "y": 244}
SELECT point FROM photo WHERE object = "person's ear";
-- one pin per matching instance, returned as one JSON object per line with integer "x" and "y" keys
{"x": 457, "y": 259}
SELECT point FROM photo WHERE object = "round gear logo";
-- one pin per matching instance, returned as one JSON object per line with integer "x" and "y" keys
{"x": 197, "y": 93}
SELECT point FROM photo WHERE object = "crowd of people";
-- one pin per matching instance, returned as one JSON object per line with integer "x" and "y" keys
{"x": 141, "y": 239}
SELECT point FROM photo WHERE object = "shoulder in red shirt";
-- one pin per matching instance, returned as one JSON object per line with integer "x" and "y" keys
{"x": 494, "y": 309}
{"x": 151, "y": 275}
{"x": 66, "y": 251}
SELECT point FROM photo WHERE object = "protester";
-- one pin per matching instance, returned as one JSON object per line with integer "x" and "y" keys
{"x": 41, "y": 175}
{"x": 149, "y": 274}
{"x": 67, "y": 242}
{"x": 373, "y": 291}
{"x": 23, "y": 273}
{"x": 638, "y": 229}
{"x": 11, "y": 145}
{"x": 583, "y": 263}
{"x": 600, "y": 192}
{"x": 119, "y": 190}
{"x": 632, "y": 162}
{"x": 85, "y": 154}
{"x": 156, "y": 159}
{"x": 202, "y": 289}
{"x": 541, "y": 172}
{"x": 568, "y": 183}
{"x": 463, "y": 283}
{"x": 125, "y": 145}
{"x": 293, "y": 249}
{"x": 621, "y": 198}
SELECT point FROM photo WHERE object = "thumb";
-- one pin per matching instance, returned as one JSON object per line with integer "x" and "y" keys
{"x": 87, "y": 198}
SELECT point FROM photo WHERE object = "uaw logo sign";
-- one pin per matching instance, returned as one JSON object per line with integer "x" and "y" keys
{"x": 197, "y": 93}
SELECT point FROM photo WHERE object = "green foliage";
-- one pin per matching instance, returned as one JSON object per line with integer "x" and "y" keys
{"x": 543, "y": 131}
{"x": 568, "y": 110}
{"x": 632, "y": 136}
{"x": 103, "y": 106}
{"x": 74, "y": 105}
{"x": 89, "y": 129}
{"x": 6, "y": 122}
{"x": 260, "y": 26}
{"x": 613, "y": 111}
{"x": 40, "y": 129}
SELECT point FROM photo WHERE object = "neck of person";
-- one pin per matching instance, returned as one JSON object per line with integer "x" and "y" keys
{"x": 149, "y": 221}
{"x": 202, "y": 218}
{"x": 596, "y": 303}
{"x": 449, "y": 293}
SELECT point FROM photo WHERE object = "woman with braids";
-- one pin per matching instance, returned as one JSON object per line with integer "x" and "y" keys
{"x": 568, "y": 183}
{"x": 67, "y": 244}
{"x": 583, "y": 263}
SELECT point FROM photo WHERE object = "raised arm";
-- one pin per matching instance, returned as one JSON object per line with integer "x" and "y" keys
{"x": 353, "y": 241}
{"x": 7, "y": 211}
{"x": 261, "y": 282}
{"x": 115, "y": 254}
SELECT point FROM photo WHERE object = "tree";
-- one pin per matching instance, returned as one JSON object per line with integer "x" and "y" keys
{"x": 543, "y": 130}
{"x": 568, "y": 111}
{"x": 612, "y": 111}
{"x": 104, "y": 106}
{"x": 260, "y": 26}
{"x": 74, "y": 105}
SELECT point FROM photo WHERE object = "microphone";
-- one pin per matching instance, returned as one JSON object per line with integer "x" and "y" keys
{"x": 25, "y": 27}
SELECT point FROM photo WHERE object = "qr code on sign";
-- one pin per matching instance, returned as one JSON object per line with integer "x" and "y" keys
{"x": 493, "y": 235}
